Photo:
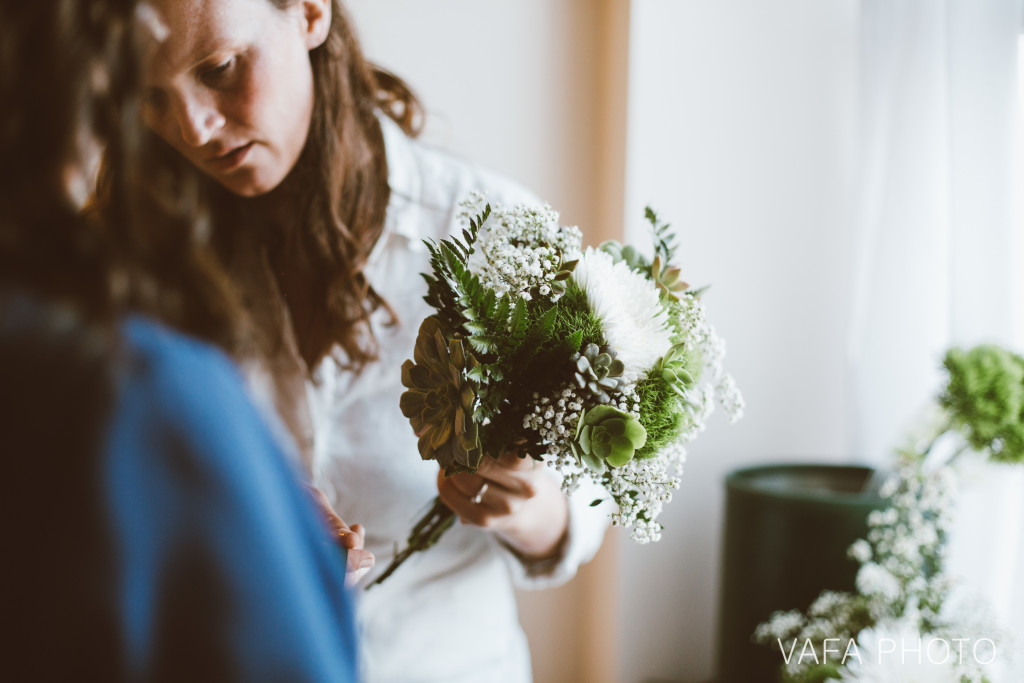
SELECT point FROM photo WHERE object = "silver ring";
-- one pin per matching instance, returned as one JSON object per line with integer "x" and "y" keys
{"x": 478, "y": 498}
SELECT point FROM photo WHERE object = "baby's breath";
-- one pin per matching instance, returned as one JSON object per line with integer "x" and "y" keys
{"x": 900, "y": 582}
{"x": 520, "y": 249}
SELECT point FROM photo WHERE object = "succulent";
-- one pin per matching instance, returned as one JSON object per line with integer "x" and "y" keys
{"x": 671, "y": 369}
{"x": 565, "y": 268}
{"x": 633, "y": 258}
{"x": 667, "y": 279}
{"x": 607, "y": 435}
{"x": 598, "y": 370}
{"x": 439, "y": 401}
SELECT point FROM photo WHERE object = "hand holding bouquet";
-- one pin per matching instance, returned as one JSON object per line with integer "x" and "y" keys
{"x": 598, "y": 362}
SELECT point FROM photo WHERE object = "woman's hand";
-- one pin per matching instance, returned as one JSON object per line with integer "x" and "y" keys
{"x": 514, "y": 497}
{"x": 351, "y": 538}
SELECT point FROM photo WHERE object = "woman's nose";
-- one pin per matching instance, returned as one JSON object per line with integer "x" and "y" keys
{"x": 198, "y": 122}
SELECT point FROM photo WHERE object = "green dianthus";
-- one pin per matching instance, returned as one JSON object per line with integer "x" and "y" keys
{"x": 985, "y": 396}
{"x": 662, "y": 413}
{"x": 574, "y": 315}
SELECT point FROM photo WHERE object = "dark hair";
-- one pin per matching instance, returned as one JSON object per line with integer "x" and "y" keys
{"x": 56, "y": 391}
{"x": 51, "y": 56}
{"x": 338, "y": 192}
{"x": 56, "y": 384}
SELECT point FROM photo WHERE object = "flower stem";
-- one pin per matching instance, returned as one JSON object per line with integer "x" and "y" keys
{"x": 424, "y": 534}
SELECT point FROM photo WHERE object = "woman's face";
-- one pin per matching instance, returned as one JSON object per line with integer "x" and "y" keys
{"x": 230, "y": 86}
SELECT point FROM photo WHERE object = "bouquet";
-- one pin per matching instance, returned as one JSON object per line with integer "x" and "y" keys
{"x": 598, "y": 362}
{"x": 903, "y": 592}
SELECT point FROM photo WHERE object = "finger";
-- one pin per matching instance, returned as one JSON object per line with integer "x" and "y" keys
{"x": 359, "y": 559}
{"x": 349, "y": 540}
{"x": 336, "y": 525}
{"x": 352, "y": 578}
{"x": 323, "y": 504}
{"x": 347, "y": 537}
{"x": 490, "y": 511}
{"x": 467, "y": 484}
{"x": 517, "y": 482}
{"x": 459, "y": 502}
{"x": 359, "y": 563}
{"x": 464, "y": 488}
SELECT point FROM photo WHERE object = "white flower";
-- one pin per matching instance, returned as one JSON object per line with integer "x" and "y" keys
{"x": 860, "y": 551}
{"x": 519, "y": 249}
{"x": 629, "y": 307}
{"x": 889, "y": 653}
{"x": 876, "y": 581}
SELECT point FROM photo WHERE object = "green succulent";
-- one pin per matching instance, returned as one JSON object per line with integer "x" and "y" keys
{"x": 633, "y": 258}
{"x": 671, "y": 369}
{"x": 985, "y": 396}
{"x": 607, "y": 436}
{"x": 598, "y": 370}
{"x": 667, "y": 279}
{"x": 439, "y": 401}
{"x": 565, "y": 268}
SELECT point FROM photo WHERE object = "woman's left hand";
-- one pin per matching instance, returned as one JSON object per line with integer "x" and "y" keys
{"x": 515, "y": 497}
{"x": 351, "y": 538}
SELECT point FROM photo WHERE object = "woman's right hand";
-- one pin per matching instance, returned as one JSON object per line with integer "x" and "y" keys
{"x": 351, "y": 538}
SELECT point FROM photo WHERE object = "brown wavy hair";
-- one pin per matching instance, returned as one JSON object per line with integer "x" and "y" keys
{"x": 337, "y": 192}
{"x": 343, "y": 194}
{"x": 68, "y": 74}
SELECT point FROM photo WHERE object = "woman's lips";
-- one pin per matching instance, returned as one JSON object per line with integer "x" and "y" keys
{"x": 231, "y": 160}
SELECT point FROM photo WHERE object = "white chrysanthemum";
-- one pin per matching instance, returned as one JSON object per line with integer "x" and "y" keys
{"x": 629, "y": 307}
{"x": 889, "y": 654}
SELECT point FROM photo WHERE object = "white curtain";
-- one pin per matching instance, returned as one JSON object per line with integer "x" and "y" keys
{"x": 941, "y": 254}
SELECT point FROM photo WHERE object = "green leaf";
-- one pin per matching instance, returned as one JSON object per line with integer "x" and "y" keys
{"x": 697, "y": 293}
{"x": 622, "y": 452}
{"x": 576, "y": 340}
{"x": 594, "y": 462}
{"x": 636, "y": 433}
{"x": 483, "y": 343}
{"x": 601, "y": 412}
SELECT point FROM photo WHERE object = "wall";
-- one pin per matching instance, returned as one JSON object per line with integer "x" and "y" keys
{"x": 515, "y": 85}
{"x": 741, "y": 133}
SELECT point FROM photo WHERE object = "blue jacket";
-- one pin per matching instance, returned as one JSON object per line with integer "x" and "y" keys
{"x": 225, "y": 572}
{"x": 152, "y": 529}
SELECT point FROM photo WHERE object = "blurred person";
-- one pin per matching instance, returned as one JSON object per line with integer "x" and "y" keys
{"x": 320, "y": 198}
{"x": 153, "y": 529}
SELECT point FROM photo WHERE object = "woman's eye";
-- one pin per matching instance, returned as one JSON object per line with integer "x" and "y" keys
{"x": 217, "y": 74}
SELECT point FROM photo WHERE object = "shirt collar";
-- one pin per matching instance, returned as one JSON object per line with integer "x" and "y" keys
{"x": 404, "y": 180}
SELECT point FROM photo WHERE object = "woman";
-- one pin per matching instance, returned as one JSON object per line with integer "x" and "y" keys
{"x": 145, "y": 503}
{"x": 322, "y": 200}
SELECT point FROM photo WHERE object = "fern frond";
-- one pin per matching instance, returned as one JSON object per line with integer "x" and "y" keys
{"x": 451, "y": 288}
{"x": 665, "y": 245}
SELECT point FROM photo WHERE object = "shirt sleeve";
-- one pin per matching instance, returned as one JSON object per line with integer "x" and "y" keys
{"x": 227, "y": 573}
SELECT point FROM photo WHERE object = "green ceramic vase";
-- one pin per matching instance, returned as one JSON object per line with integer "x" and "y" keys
{"x": 787, "y": 531}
